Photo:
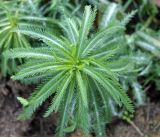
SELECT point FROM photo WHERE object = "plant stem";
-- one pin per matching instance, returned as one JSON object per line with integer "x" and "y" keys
{"x": 127, "y": 4}
{"x": 148, "y": 22}
{"x": 136, "y": 128}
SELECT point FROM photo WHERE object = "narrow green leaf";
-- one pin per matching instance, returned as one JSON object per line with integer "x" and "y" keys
{"x": 82, "y": 88}
{"x": 23, "y": 101}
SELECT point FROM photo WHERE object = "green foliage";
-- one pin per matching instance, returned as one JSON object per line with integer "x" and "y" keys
{"x": 83, "y": 62}
{"x": 9, "y": 39}
{"x": 23, "y": 101}
{"x": 114, "y": 14}
{"x": 64, "y": 7}
{"x": 78, "y": 71}
{"x": 10, "y": 18}
{"x": 143, "y": 43}
{"x": 149, "y": 43}
{"x": 127, "y": 117}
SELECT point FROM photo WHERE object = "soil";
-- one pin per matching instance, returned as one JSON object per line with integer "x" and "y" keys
{"x": 10, "y": 108}
{"x": 147, "y": 118}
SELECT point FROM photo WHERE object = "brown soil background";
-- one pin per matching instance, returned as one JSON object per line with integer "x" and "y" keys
{"x": 147, "y": 118}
